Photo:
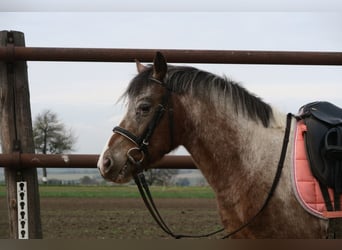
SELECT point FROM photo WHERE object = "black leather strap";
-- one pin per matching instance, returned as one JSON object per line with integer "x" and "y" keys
{"x": 276, "y": 177}
{"x": 146, "y": 195}
{"x": 125, "y": 133}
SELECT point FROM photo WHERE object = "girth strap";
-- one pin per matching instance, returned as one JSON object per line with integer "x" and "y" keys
{"x": 333, "y": 155}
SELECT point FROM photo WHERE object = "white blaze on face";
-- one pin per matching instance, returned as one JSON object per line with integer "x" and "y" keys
{"x": 100, "y": 161}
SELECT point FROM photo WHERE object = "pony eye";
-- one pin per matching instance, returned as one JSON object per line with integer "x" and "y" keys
{"x": 144, "y": 108}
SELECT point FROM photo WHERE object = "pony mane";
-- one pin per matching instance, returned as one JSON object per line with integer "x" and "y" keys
{"x": 220, "y": 91}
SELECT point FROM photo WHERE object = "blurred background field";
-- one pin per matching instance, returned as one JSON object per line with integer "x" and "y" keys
{"x": 118, "y": 212}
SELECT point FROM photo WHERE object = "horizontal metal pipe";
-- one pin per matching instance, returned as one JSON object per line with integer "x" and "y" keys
{"x": 14, "y": 53}
{"x": 25, "y": 160}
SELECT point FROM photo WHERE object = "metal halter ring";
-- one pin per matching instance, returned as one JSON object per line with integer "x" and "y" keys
{"x": 132, "y": 159}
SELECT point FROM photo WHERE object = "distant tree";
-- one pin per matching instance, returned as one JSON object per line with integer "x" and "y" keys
{"x": 51, "y": 136}
{"x": 86, "y": 180}
{"x": 160, "y": 176}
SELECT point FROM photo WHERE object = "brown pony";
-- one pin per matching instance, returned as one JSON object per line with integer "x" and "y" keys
{"x": 234, "y": 138}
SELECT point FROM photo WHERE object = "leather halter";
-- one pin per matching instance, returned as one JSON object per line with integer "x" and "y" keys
{"x": 142, "y": 141}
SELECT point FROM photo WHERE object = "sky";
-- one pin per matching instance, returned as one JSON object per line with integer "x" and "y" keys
{"x": 86, "y": 95}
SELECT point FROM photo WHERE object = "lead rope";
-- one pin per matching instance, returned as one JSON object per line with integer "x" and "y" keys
{"x": 149, "y": 203}
{"x": 142, "y": 186}
{"x": 145, "y": 193}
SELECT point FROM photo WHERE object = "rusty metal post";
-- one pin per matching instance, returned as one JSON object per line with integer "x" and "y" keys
{"x": 17, "y": 136}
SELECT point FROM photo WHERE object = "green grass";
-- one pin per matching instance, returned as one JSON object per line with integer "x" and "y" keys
{"x": 119, "y": 192}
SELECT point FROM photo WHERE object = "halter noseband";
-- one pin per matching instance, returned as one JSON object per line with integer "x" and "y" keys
{"x": 142, "y": 141}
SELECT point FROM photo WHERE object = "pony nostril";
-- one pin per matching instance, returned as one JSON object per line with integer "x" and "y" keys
{"x": 107, "y": 163}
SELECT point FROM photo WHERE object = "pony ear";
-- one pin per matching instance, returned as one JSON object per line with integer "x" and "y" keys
{"x": 159, "y": 67}
{"x": 140, "y": 66}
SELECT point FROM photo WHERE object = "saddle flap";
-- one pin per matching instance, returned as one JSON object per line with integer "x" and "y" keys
{"x": 313, "y": 138}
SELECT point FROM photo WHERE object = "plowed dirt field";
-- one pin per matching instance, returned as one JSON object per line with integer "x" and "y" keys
{"x": 119, "y": 218}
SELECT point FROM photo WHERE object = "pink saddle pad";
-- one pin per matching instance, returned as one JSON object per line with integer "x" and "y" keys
{"x": 306, "y": 187}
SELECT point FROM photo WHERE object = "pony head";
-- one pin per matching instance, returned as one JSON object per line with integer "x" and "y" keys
{"x": 145, "y": 133}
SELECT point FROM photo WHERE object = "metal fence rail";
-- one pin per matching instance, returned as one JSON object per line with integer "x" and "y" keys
{"x": 11, "y": 53}
{"x": 25, "y": 160}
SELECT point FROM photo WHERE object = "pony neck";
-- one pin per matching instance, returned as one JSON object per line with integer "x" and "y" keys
{"x": 227, "y": 146}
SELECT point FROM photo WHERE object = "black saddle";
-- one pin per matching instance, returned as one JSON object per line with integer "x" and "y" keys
{"x": 323, "y": 141}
